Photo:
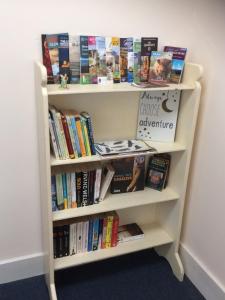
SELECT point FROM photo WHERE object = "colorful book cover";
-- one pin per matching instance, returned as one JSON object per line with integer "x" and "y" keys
{"x": 129, "y": 232}
{"x": 64, "y": 63}
{"x": 95, "y": 234}
{"x": 116, "y": 60}
{"x": 130, "y": 60}
{"x": 108, "y": 237}
{"x": 85, "y": 135}
{"x": 69, "y": 190}
{"x": 46, "y": 59}
{"x": 59, "y": 191}
{"x": 74, "y": 56}
{"x": 53, "y": 47}
{"x": 71, "y": 133}
{"x": 160, "y": 66}
{"x": 90, "y": 234}
{"x": 64, "y": 184}
{"x": 137, "y": 60}
{"x": 62, "y": 136}
{"x": 123, "y": 59}
{"x": 115, "y": 226}
{"x": 148, "y": 45}
{"x": 101, "y": 60}
{"x": 157, "y": 115}
{"x": 53, "y": 193}
{"x": 84, "y": 61}
{"x": 129, "y": 175}
{"x": 84, "y": 187}
{"x": 56, "y": 127}
{"x": 177, "y": 62}
{"x": 79, "y": 134}
{"x": 100, "y": 232}
{"x": 73, "y": 190}
{"x": 92, "y": 54}
{"x": 110, "y": 60}
{"x": 90, "y": 131}
{"x": 79, "y": 188}
{"x": 75, "y": 133}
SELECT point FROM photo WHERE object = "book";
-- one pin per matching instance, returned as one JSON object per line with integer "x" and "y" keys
{"x": 74, "y": 58}
{"x": 79, "y": 236}
{"x": 148, "y": 44}
{"x": 66, "y": 240}
{"x": 123, "y": 59}
{"x": 85, "y": 200}
{"x": 122, "y": 147}
{"x": 108, "y": 236}
{"x": 149, "y": 84}
{"x": 97, "y": 184}
{"x": 95, "y": 233}
{"x": 157, "y": 115}
{"x": 92, "y": 58}
{"x": 88, "y": 122}
{"x": 130, "y": 60}
{"x": 53, "y": 137}
{"x": 68, "y": 137}
{"x": 115, "y": 226}
{"x": 116, "y": 59}
{"x": 73, "y": 190}
{"x": 110, "y": 60}
{"x": 79, "y": 188}
{"x": 46, "y": 59}
{"x": 106, "y": 180}
{"x": 59, "y": 191}
{"x": 160, "y": 66}
{"x": 129, "y": 175}
{"x": 101, "y": 59}
{"x": 129, "y": 232}
{"x": 64, "y": 63}
{"x": 84, "y": 61}
{"x": 137, "y": 60}
{"x": 80, "y": 134}
{"x": 177, "y": 62}
{"x": 53, "y": 48}
{"x": 85, "y": 135}
{"x": 53, "y": 193}
{"x": 73, "y": 239}
{"x": 158, "y": 172}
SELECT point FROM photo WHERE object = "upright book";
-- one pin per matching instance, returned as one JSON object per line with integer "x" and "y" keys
{"x": 92, "y": 54}
{"x": 64, "y": 63}
{"x": 101, "y": 60}
{"x": 148, "y": 45}
{"x": 116, "y": 59}
{"x": 157, "y": 116}
{"x": 84, "y": 60}
{"x": 160, "y": 66}
{"x": 74, "y": 55}
{"x": 123, "y": 59}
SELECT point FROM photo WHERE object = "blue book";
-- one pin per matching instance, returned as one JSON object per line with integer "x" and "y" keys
{"x": 53, "y": 192}
{"x": 95, "y": 234}
{"x": 90, "y": 235}
{"x": 64, "y": 65}
{"x": 64, "y": 183}
{"x": 74, "y": 128}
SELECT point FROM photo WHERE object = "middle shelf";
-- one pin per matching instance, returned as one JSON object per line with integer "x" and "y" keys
{"x": 118, "y": 201}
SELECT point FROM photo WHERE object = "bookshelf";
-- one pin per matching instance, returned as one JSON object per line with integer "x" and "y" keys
{"x": 114, "y": 115}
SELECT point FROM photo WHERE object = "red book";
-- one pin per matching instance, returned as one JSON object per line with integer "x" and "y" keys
{"x": 115, "y": 230}
{"x": 67, "y": 136}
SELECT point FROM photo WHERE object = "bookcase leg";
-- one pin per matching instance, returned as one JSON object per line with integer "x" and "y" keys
{"x": 52, "y": 292}
{"x": 173, "y": 258}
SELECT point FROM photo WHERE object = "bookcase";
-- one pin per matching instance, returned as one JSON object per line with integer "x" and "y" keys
{"x": 114, "y": 112}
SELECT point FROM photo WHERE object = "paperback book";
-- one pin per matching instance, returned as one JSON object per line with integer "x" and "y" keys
{"x": 147, "y": 46}
{"x": 123, "y": 59}
{"x": 84, "y": 61}
{"x": 160, "y": 66}
{"x": 74, "y": 55}
{"x": 116, "y": 59}
{"x": 137, "y": 60}
{"x": 101, "y": 60}
{"x": 129, "y": 232}
{"x": 64, "y": 65}
{"x": 53, "y": 47}
{"x": 157, "y": 116}
{"x": 110, "y": 60}
{"x": 92, "y": 54}
{"x": 46, "y": 58}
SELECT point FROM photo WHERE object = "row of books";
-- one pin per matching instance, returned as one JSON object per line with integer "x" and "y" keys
{"x": 80, "y": 188}
{"x": 87, "y": 234}
{"x": 71, "y": 134}
{"x": 101, "y": 60}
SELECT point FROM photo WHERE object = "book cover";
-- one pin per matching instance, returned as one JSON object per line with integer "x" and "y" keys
{"x": 90, "y": 131}
{"x": 92, "y": 59}
{"x": 157, "y": 116}
{"x": 79, "y": 134}
{"x": 53, "y": 48}
{"x": 177, "y": 62}
{"x": 79, "y": 188}
{"x": 148, "y": 45}
{"x": 74, "y": 58}
{"x": 69, "y": 190}
{"x": 79, "y": 236}
{"x": 123, "y": 59}
{"x": 137, "y": 60}
{"x": 157, "y": 172}
{"x": 73, "y": 239}
{"x": 85, "y": 200}
{"x": 95, "y": 233}
{"x": 106, "y": 180}
{"x": 53, "y": 193}
{"x": 73, "y": 190}
{"x": 101, "y": 60}
{"x": 66, "y": 240}
{"x": 64, "y": 185}
{"x": 46, "y": 59}
{"x": 91, "y": 186}
{"x": 160, "y": 66}
{"x": 115, "y": 227}
{"x": 110, "y": 60}
{"x": 59, "y": 191}
{"x": 75, "y": 133}
{"x": 129, "y": 175}
{"x": 90, "y": 234}
{"x": 53, "y": 137}
{"x": 116, "y": 59}
{"x": 67, "y": 136}
{"x": 130, "y": 60}
{"x": 62, "y": 137}
{"x": 84, "y": 61}
{"x": 72, "y": 134}
{"x": 100, "y": 232}
{"x": 108, "y": 237}
{"x": 85, "y": 135}
{"x": 97, "y": 183}
{"x": 64, "y": 62}
{"x": 129, "y": 232}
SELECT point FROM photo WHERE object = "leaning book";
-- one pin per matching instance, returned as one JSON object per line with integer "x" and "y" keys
{"x": 157, "y": 115}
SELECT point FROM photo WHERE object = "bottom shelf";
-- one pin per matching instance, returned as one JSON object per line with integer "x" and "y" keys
{"x": 154, "y": 236}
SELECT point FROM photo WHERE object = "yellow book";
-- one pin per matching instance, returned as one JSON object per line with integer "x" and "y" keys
{"x": 85, "y": 135}
{"x": 109, "y": 232}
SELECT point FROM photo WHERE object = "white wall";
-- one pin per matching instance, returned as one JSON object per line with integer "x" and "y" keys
{"x": 197, "y": 25}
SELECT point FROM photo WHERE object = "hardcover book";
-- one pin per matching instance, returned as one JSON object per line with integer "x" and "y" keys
{"x": 177, "y": 62}
{"x": 92, "y": 54}
{"x": 101, "y": 60}
{"x": 116, "y": 60}
{"x": 129, "y": 232}
{"x": 129, "y": 175}
{"x": 74, "y": 57}
{"x": 160, "y": 66}
{"x": 84, "y": 61}
{"x": 123, "y": 59}
{"x": 148, "y": 45}
{"x": 157, "y": 116}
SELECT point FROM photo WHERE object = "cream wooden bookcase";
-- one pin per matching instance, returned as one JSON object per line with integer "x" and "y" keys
{"x": 114, "y": 115}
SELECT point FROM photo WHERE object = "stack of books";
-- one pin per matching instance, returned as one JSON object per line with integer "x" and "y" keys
{"x": 86, "y": 234}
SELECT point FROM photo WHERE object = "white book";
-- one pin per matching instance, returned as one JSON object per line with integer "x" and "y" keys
{"x": 79, "y": 236}
{"x": 73, "y": 190}
{"x": 98, "y": 175}
{"x": 53, "y": 138}
{"x": 157, "y": 117}
{"x": 85, "y": 236}
{"x": 73, "y": 239}
{"x": 106, "y": 180}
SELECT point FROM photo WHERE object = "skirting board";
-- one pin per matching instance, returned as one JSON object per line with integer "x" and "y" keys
{"x": 202, "y": 278}
{"x": 21, "y": 267}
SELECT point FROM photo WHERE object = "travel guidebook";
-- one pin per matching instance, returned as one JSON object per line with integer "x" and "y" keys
{"x": 160, "y": 66}
{"x": 147, "y": 46}
{"x": 157, "y": 116}
{"x": 101, "y": 60}
{"x": 74, "y": 55}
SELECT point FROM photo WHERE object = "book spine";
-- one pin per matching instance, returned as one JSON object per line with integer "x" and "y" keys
{"x": 85, "y": 236}
{"x": 53, "y": 138}
{"x": 80, "y": 135}
{"x": 84, "y": 189}
{"x": 71, "y": 133}
{"x": 115, "y": 230}
{"x": 137, "y": 60}
{"x": 74, "y": 54}
{"x": 64, "y": 66}
{"x": 69, "y": 192}
{"x": 64, "y": 184}
{"x": 71, "y": 237}
{"x": 90, "y": 234}
{"x": 79, "y": 237}
{"x": 92, "y": 54}
{"x": 66, "y": 247}
{"x": 85, "y": 135}
{"x": 100, "y": 233}
{"x": 101, "y": 60}
{"x": 53, "y": 193}
{"x": 97, "y": 183}
{"x": 73, "y": 190}
{"x": 79, "y": 188}
{"x": 62, "y": 136}
{"x": 55, "y": 237}
{"x": 123, "y": 59}
{"x": 90, "y": 132}
{"x": 53, "y": 47}
{"x": 46, "y": 59}
{"x": 84, "y": 61}
{"x": 91, "y": 180}
{"x": 104, "y": 229}
{"x": 109, "y": 60}
{"x": 59, "y": 192}
{"x": 60, "y": 241}
{"x": 74, "y": 128}
{"x": 57, "y": 133}
{"x": 130, "y": 60}
{"x": 95, "y": 234}
{"x": 109, "y": 232}
{"x": 116, "y": 61}
{"x": 67, "y": 137}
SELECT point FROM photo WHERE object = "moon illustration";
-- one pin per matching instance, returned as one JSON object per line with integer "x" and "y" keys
{"x": 164, "y": 106}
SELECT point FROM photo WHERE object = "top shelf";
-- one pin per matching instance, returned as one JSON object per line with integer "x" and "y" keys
{"x": 54, "y": 89}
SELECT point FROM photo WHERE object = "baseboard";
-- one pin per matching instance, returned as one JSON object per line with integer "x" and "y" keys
{"x": 21, "y": 267}
{"x": 202, "y": 278}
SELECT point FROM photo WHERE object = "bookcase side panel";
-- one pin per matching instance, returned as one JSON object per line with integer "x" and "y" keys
{"x": 44, "y": 171}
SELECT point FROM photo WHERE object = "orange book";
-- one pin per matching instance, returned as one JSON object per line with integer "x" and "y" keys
{"x": 80, "y": 135}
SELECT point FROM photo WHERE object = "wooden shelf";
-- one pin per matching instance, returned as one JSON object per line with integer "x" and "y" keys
{"x": 154, "y": 236}
{"x": 118, "y": 201}
{"x": 160, "y": 148}
{"x": 53, "y": 89}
